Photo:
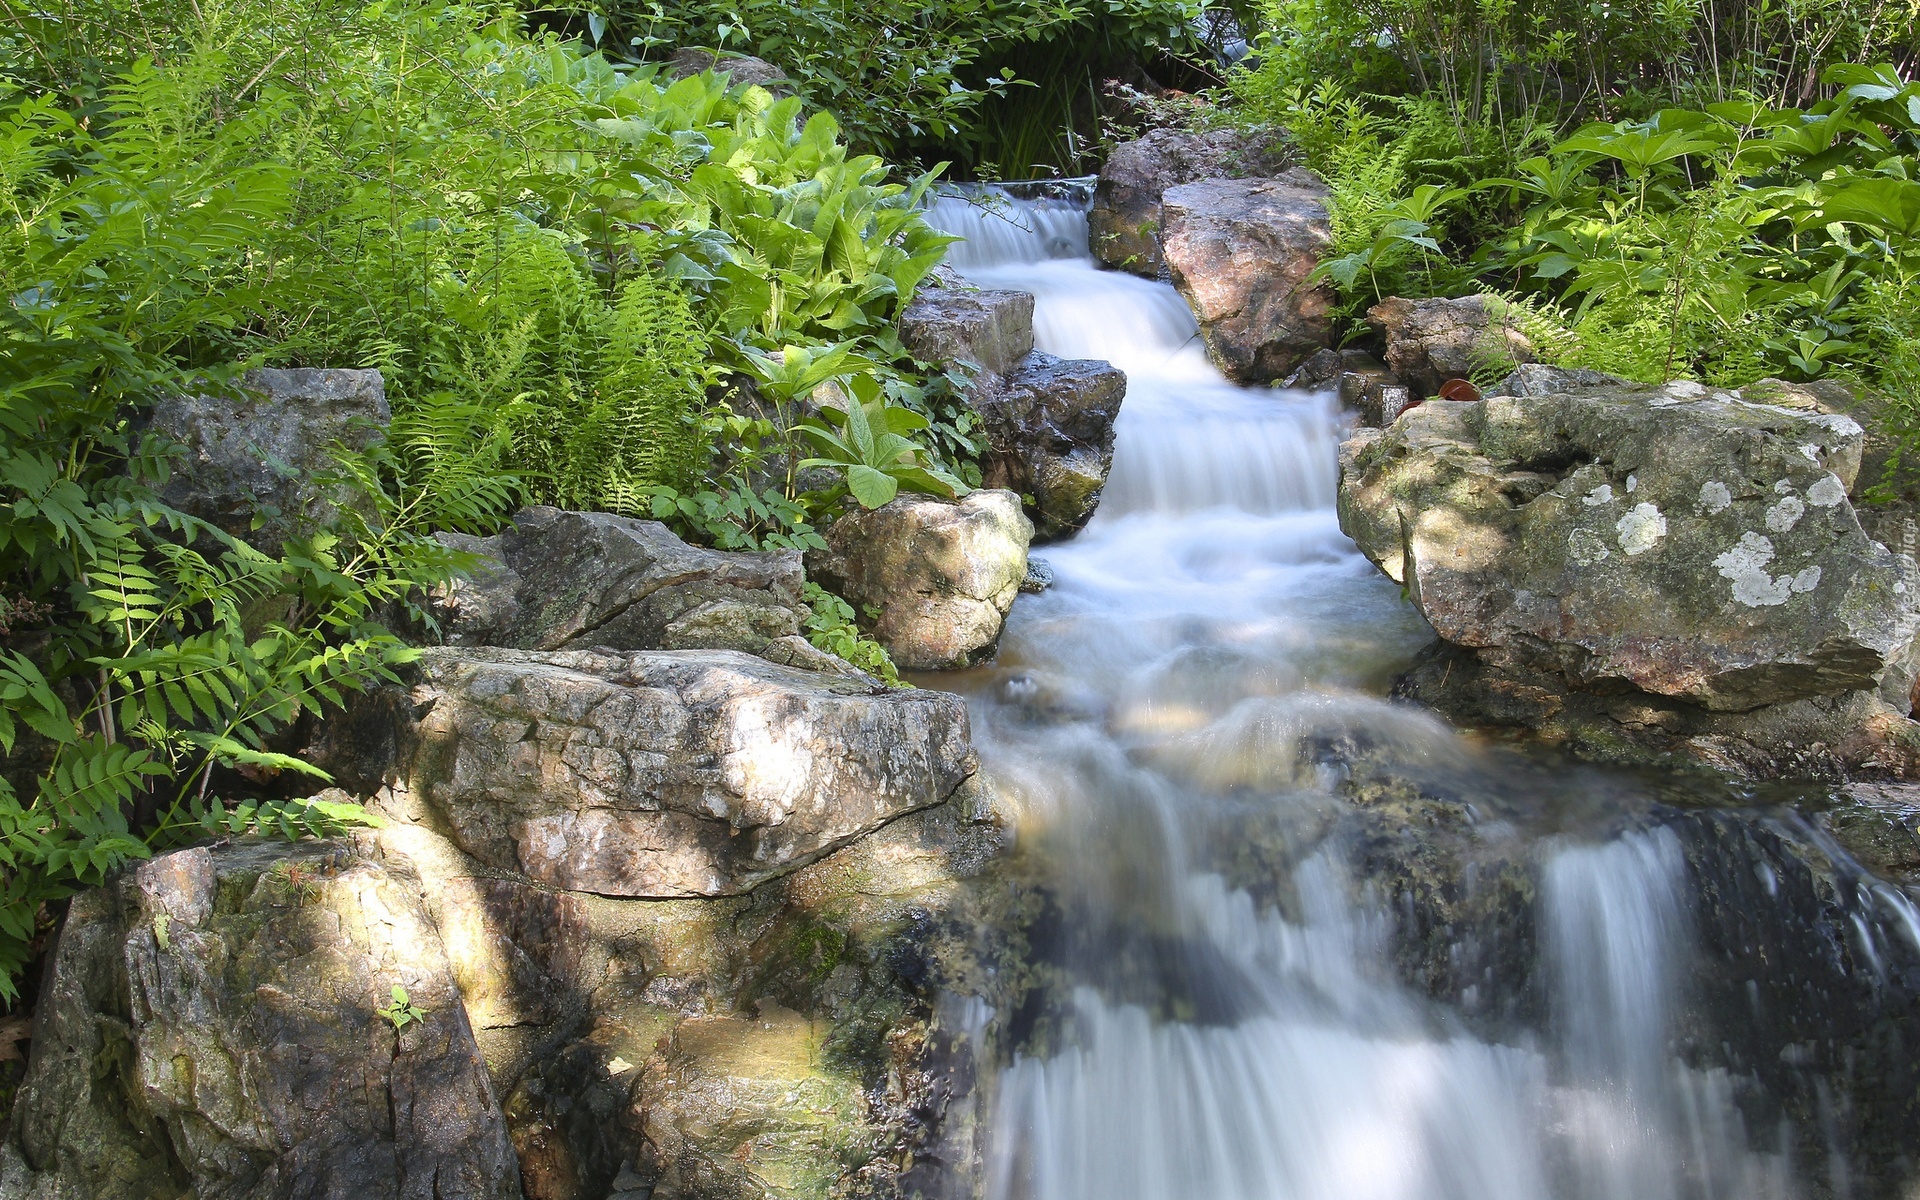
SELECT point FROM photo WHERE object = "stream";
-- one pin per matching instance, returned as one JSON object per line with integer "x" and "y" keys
{"x": 1195, "y": 723}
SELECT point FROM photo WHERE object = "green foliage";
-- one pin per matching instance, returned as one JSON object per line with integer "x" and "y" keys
{"x": 831, "y": 627}
{"x": 1007, "y": 82}
{"x": 401, "y": 1011}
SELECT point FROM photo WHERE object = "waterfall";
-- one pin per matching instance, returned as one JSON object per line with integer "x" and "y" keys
{"x": 1205, "y": 633}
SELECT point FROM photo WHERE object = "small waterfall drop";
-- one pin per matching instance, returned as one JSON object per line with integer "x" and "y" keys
{"x": 1207, "y": 631}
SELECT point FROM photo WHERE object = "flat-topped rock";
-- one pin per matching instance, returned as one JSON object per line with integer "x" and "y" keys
{"x": 567, "y": 580}
{"x": 992, "y": 330}
{"x": 668, "y": 774}
{"x": 258, "y": 458}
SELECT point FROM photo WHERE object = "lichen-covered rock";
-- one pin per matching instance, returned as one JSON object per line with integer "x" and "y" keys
{"x": 257, "y": 454}
{"x": 1690, "y": 543}
{"x": 1125, "y": 220}
{"x": 992, "y": 330}
{"x": 668, "y": 773}
{"x": 941, "y": 574}
{"x": 1240, "y": 252}
{"x": 1049, "y": 426}
{"x": 209, "y": 1027}
{"x": 1432, "y": 341}
{"x": 560, "y": 580}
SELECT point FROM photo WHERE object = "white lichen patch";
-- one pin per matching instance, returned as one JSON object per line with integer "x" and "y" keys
{"x": 1745, "y": 566}
{"x": 1685, "y": 389}
{"x": 1827, "y": 492}
{"x": 1783, "y": 487}
{"x": 1845, "y": 426}
{"x": 1640, "y": 529}
{"x": 1586, "y": 547}
{"x": 1783, "y": 516}
{"x": 1811, "y": 451}
{"x": 1807, "y": 580}
{"x": 1600, "y": 495}
{"x": 1633, "y": 482}
{"x": 1715, "y": 497}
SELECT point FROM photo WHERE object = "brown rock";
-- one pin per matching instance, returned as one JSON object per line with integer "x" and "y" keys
{"x": 1240, "y": 252}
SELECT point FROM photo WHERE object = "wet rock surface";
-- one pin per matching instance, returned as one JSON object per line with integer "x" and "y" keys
{"x": 1669, "y": 555}
{"x": 1240, "y": 252}
{"x": 1125, "y": 221}
{"x": 209, "y": 1027}
{"x": 667, "y": 774}
{"x": 559, "y": 580}
{"x": 259, "y": 456}
{"x": 1049, "y": 426}
{"x": 940, "y": 574}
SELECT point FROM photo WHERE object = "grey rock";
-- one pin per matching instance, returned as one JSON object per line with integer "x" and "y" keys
{"x": 744, "y": 68}
{"x": 668, "y": 774}
{"x": 1539, "y": 379}
{"x": 941, "y": 574}
{"x": 1432, "y": 341}
{"x": 256, "y": 456}
{"x": 1125, "y": 221}
{"x": 559, "y": 580}
{"x": 1241, "y": 252}
{"x": 1049, "y": 426}
{"x": 1692, "y": 544}
{"x": 1039, "y": 577}
{"x": 993, "y": 330}
{"x": 208, "y": 1024}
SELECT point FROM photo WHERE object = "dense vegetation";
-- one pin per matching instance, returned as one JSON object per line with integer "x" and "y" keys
{"x": 585, "y": 284}
{"x": 1715, "y": 191}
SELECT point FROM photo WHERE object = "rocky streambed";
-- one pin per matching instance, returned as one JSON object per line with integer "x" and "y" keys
{"x": 1177, "y": 877}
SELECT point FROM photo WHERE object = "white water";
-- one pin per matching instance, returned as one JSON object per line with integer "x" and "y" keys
{"x": 1206, "y": 631}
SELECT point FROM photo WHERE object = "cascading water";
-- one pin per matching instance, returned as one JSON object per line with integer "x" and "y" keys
{"x": 1243, "y": 1035}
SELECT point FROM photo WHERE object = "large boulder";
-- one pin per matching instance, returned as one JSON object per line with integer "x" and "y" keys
{"x": 558, "y": 580}
{"x": 667, "y": 774}
{"x": 940, "y": 574}
{"x": 1676, "y": 543}
{"x": 1432, "y": 341}
{"x": 257, "y": 455}
{"x": 992, "y": 330}
{"x": 1049, "y": 426}
{"x": 210, "y": 1026}
{"x": 1125, "y": 222}
{"x": 1241, "y": 253}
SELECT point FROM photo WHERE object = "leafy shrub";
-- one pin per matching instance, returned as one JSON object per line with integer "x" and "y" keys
{"x": 169, "y": 657}
{"x": 831, "y": 627}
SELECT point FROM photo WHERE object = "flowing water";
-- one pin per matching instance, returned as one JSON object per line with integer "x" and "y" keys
{"x": 1236, "y": 1027}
